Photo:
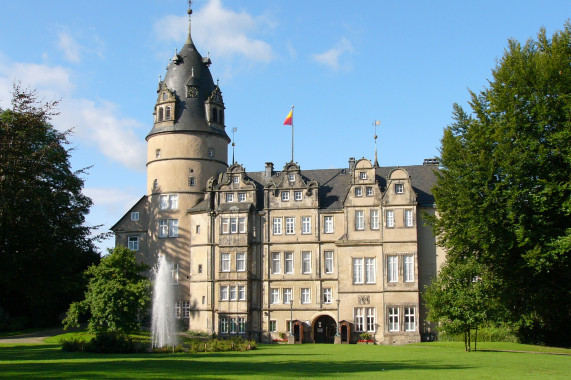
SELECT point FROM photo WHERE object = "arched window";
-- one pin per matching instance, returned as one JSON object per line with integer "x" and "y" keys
{"x": 221, "y": 116}
{"x": 214, "y": 114}
{"x": 165, "y": 96}
{"x": 167, "y": 113}
{"x": 160, "y": 113}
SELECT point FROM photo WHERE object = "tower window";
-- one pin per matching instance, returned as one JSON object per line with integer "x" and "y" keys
{"x": 221, "y": 116}
{"x": 167, "y": 113}
{"x": 157, "y": 153}
{"x": 210, "y": 152}
{"x": 165, "y": 96}
{"x": 161, "y": 114}
{"x": 191, "y": 181}
{"x": 214, "y": 114}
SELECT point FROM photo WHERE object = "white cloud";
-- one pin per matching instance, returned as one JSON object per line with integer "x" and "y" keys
{"x": 332, "y": 57}
{"x": 225, "y": 32}
{"x": 71, "y": 49}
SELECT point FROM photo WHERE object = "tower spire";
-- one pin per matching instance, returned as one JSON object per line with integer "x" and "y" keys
{"x": 189, "y": 38}
{"x": 375, "y": 123}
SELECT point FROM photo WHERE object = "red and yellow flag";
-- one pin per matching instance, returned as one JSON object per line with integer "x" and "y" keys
{"x": 289, "y": 118}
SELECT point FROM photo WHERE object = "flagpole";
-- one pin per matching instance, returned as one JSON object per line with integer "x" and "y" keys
{"x": 292, "y": 134}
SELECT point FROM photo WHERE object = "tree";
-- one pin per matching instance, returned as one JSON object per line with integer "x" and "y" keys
{"x": 504, "y": 189}
{"x": 44, "y": 245}
{"x": 118, "y": 294}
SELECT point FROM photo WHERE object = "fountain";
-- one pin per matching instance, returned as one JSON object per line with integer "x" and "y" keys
{"x": 163, "y": 325}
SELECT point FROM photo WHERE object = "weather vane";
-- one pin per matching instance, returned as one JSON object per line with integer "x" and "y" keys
{"x": 233, "y": 144}
{"x": 375, "y": 123}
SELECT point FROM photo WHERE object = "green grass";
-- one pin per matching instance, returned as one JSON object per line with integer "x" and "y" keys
{"x": 441, "y": 360}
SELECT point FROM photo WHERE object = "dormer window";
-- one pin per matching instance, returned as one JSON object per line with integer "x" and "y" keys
{"x": 369, "y": 191}
{"x": 167, "y": 113}
{"x": 292, "y": 177}
{"x": 221, "y": 116}
{"x": 285, "y": 196}
{"x": 236, "y": 179}
{"x": 399, "y": 188}
{"x": 363, "y": 175}
{"x": 161, "y": 114}
{"x": 358, "y": 192}
{"x": 214, "y": 114}
{"x": 229, "y": 197}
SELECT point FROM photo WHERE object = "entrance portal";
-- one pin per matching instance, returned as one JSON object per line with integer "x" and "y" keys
{"x": 324, "y": 329}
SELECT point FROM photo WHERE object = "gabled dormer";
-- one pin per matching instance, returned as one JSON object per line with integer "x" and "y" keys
{"x": 399, "y": 190}
{"x": 290, "y": 189}
{"x": 235, "y": 188}
{"x": 363, "y": 188}
{"x": 165, "y": 106}
{"x": 214, "y": 109}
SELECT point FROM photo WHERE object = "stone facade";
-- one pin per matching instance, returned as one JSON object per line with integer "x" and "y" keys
{"x": 345, "y": 244}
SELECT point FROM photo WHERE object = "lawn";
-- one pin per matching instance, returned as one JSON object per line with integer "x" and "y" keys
{"x": 441, "y": 360}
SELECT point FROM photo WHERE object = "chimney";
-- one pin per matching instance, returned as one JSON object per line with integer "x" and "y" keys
{"x": 351, "y": 164}
{"x": 269, "y": 170}
{"x": 431, "y": 161}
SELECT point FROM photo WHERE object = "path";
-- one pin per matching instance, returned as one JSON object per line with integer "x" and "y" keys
{"x": 33, "y": 337}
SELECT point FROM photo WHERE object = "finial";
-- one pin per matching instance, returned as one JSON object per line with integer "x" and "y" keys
{"x": 375, "y": 123}
{"x": 192, "y": 72}
{"x": 233, "y": 144}
{"x": 160, "y": 78}
{"x": 189, "y": 11}
{"x": 217, "y": 80}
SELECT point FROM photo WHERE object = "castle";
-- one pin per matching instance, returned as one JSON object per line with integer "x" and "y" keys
{"x": 321, "y": 255}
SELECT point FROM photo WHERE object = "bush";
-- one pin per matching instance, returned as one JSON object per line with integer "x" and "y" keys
{"x": 106, "y": 342}
{"x": 73, "y": 344}
{"x": 222, "y": 345}
{"x": 485, "y": 334}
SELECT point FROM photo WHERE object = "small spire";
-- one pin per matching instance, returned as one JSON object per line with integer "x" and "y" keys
{"x": 192, "y": 72}
{"x": 189, "y": 38}
{"x": 233, "y": 144}
{"x": 375, "y": 123}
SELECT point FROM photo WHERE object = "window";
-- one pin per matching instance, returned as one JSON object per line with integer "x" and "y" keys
{"x": 408, "y": 268}
{"x": 133, "y": 243}
{"x": 392, "y": 268}
{"x": 225, "y": 262}
{"x": 191, "y": 181}
{"x": 327, "y": 295}
{"x": 305, "y": 295}
{"x": 224, "y": 293}
{"x": 242, "y": 293}
{"x": 165, "y": 96}
{"x": 288, "y": 295}
{"x": 359, "y": 220}
{"x": 229, "y": 197}
{"x": 177, "y": 309}
{"x": 233, "y": 293}
{"x": 358, "y": 191}
{"x": 223, "y": 325}
{"x": 289, "y": 262}
{"x": 276, "y": 263}
{"x": 328, "y": 261}
{"x": 236, "y": 179}
{"x": 161, "y": 114}
{"x": 289, "y": 325}
{"x": 359, "y": 319}
{"x": 174, "y": 274}
{"x": 285, "y": 196}
{"x": 240, "y": 262}
{"x": 297, "y": 195}
{"x": 199, "y": 268}
{"x": 370, "y": 315}
{"x": 186, "y": 309}
{"x": 173, "y": 201}
{"x": 242, "y": 225}
{"x": 164, "y": 202}
{"x": 233, "y": 225}
{"x": 362, "y": 175}
{"x": 369, "y": 191}
{"x": 155, "y": 183}
{"x": 233, "y": 326}
{"x": 399, "y": 188}
{"x": 274, "y": 296}
{"x": 328, "y": 224}
{"x": 168, "y": 202}
{"x": 210, "y": 152}
{"x": 273, "y": 326}
{"x": 291, "y": 177}
{"x": 134, "y": 216}
{"x": 167, "y": 113}
{"x": 390, "y": 218}
{"x": 306, "y": 262}
{"x": 374, "y": 219}
{"x": 306, "y": 225}
{"x": 241, "y": 197}
{"x": 225, "y": 225}
{"x": 173, "y": 227}
{"x": 357, "y": 270}
{"x": 393, "y": 313}
{"x": 163, "y": 228}
{"x": 289, "y": 225}
{"x": 409, "y": 319}
{"x": 370, "y": 270}
{"x": 277, "y": 226}
{"x": 198, "y": 229}
{"x": 241, "y": 325}
{"x": 408, "y": 221}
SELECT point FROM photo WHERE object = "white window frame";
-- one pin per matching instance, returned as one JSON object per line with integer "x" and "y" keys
{"x": 287, "y": 295}
{"x": 173, "y": 201}
{"x": 177, "y": 309}
{"x": 164, "y": 202}
{"x": 306, "y": 262}
{"x": 273, "y": 326}
{"x": 274, "y": 296}
{"x": 369, "y": 191}
{"x": 276, "y": 263}
{"x": 224, "y": 292}
{"x": 399, "y": 188}
{"x": 233, "y": 293}
{"x": 358, "y": 263}
{"x": 233, "y": 325}
{"x": 408, "y": 268}
{"x": 224, "y": 325}
{"x": 289, "y": 263}
{"x": 241, "y": 197}
{"x": 306, "y": 225}
{"x": 290, "y": 225}
{"x": 277, "y": 226}
{"x": 225, "y": 262}
{"x": 305, "y": 295}
{"x": 173, "y": 227}
{"x": 241, "y": 293}
{"x": 229, "y": 197}
{"x": 409, "y": 319}
{"x": 134, "y": 216}
{"x": 240, "y": 262}
{"x": 328, "y": 227}
{"x": 393, "y": 319}
{"x": 163, "y": 228}
{"x": 362, "y": 175}
{"x": 174, "y": 274}
{"x": 185, "y": 309}
{"x": 327, "y": 295}
{"x": 359, "y": 220}
{"x": 297, "y": 195}
{"x": 285, "y": 196}
{"x": 392, "y": 268}
{"x": 370, "y": 270}
{"x": 374, "y": 219}
{"x": 291, "y": 178}
{"x": 371, "y": 319}
{"x": 408, "y": 218}
{"x": 241, "y": 325}
{"x": 225, "y": 225}
{"x": 390, "y": 218}
{"x": 233, "y": 225}
{"x": 133, "y": 243}
{"x": 236, "y": 179}
{"x": 329, "y": 262}
{"x": 359, "y": 319}
{"x": 358, "y": 191}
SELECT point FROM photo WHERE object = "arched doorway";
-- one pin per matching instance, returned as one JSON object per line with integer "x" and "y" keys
{"x": 324, "y": 329}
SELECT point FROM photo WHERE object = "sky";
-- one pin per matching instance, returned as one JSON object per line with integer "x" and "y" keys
{"x": 342, "y": 64}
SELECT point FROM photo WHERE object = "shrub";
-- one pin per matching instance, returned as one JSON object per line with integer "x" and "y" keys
{"x": 485, "y": 334}
{"x": 72, "y": 344}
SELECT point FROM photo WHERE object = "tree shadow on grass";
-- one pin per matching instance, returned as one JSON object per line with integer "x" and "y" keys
{"x": 46, "y": 361}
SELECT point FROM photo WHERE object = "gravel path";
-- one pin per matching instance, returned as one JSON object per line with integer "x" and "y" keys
{"x": 33, "y": 337}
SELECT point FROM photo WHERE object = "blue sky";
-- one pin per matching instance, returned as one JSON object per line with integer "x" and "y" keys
{"x": 342, "y": 64}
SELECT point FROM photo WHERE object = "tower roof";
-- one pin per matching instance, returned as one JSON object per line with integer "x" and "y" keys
{"x": 189, "y": 69}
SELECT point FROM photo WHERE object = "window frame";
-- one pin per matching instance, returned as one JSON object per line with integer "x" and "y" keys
{"x": 305, "y": 294}
{"x": 241, "y": 292}
{"x": 390, "y": 218}
{"x": 276, "y": 266}
{"x": 358, "y": 191}
{"x": 173, "y": 227}
{"x": 328, "y": 227}
{"x": 306, "y": 262}
{"x": 133, "y": 243}
{"x": 287, "y": 295}
{"x": 327, "y": 295}
{"x": 225, "y": 262}
{"x": 392, "y": 269}
{"x": 229, "y": 197}
{"x": 284, "y": 196}
{"x": 297, "y": 195}
{"x": 289, "y": 258}
{"x": 277, "y": 226}
{"x": 399, "y": 188}
{"x": 362, "y": 175}
{"x": 408, "y": 218}
{"x": 408, "y": 268}
{"x": 358, "y": 267}
{"x": 330, "y": 260}
{"x": 163, "y": 228}
{"x": 393, "y": 319}
{"x": 224, "y": 293}
{"x": 290, "y": 225}
{"x": 374, "y": 216}
{"x": 409, "y": 319}
{"x": 306, "y": 225}
{"x": 359, "y": 220}
{"x": 240, "y": 261}
{"x": 369, "y": 191}
{"x": 370, "y": 270}
{"x": 274, "y": 296}
{"x": 135, "y": 216}
{"x": 241, "y": 197}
